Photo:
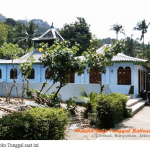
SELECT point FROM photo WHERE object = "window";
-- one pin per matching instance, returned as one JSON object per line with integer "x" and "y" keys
{"x": 31, "y": 76}
{"x": 13, "y": 74}
{"x": 48, "y": 73}
{"x": 95, "y": 77}
{"x": 0, "y": 73}
{"x": 71, "y": 75}
{"x": 124, "y": 76}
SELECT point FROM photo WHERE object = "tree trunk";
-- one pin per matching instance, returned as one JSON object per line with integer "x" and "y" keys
{"x": 58, "y": 91}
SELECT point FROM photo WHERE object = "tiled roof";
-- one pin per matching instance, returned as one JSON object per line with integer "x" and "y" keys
{"x": 101, "y": 49}
{"x": 36, "y": 55}
{"x": 120, "y": 56}
{"x": 123, "y": 57}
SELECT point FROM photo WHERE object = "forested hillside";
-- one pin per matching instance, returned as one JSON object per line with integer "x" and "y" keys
{"x": 42, "y": 26}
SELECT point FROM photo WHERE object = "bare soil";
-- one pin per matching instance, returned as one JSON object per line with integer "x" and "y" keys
{"x": 77, "y": 122}
{"x": 14, "y": 105}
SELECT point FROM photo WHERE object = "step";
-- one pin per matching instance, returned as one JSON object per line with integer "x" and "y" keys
{"x": 129, "y": 96}
{"x": 132, "y": 102}
{"x": 137, "y": 107}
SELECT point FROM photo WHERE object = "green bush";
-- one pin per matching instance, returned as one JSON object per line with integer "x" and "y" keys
{"x": 35, "y": 124}
{"x": 123, "y": 99}
{"x": 90, "y": 101}
{"x": 111, "y": 109}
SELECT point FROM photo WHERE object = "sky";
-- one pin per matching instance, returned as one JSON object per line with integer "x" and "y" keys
{"x": 100, "y": 14}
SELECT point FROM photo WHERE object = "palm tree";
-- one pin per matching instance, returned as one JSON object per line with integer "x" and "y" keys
{"x": 142, "y": 26}
{"x": 30, "y": 33}
{"x": 24, "y": 34}
{"x": 91, "y": 99}
{"x": 118, "y": 28}
{"x": 145, "y": 53}
{"x": 20, "y": 33}
{"x": 131, "y": 46}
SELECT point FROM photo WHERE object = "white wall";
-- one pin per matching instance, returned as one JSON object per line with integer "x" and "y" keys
{"x": 68, "y": 91}
{"x": 111, "y": 78}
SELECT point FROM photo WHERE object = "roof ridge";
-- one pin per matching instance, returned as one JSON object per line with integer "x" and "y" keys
{"x": 54, "y": 36}
{"x": 130, "y": 56}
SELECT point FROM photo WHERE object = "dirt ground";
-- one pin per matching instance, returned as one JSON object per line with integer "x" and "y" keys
{"x": 15, "y": 104}
{"x": 78, "y": 121}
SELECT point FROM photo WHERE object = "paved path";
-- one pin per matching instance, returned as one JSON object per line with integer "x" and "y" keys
{"x": 137, "y": 126}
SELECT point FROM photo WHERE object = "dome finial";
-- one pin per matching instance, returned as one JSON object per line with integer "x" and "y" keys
{"x": 52, "y": 26}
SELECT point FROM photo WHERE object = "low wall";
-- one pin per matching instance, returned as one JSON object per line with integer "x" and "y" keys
{"x": 68, "y": 91}
{"x": 124, "y": 89}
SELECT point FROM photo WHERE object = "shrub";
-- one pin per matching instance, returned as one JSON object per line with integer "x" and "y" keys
{"x": 90, "y": 101}
{"x": 111, "y": 109}
{"x": 35, "y": 124}
{"x": 123, "y": 99}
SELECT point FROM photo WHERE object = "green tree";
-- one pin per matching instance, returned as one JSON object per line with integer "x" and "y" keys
{"x": 24, "y": 34}
{"x": 131, "y": 46}
{"x": 118, "y": 28}
{"x": 10, "y": 51}
{"x": 142, "y": 26}
{"x": 98, "y": 61}
{"x": 10, "y": 21}
{"x": 20, "y": 35}
{"x": 30, "y": 33}
{"x": 60, "y": 60}
{"x": 4, "y": 31}
{"x": 13, "y": 51}
{"x": 97, "y": 43}
{"x": 108, "y": 40}
{"x": 145, "y": 54}
{"x": 77, "y": 32}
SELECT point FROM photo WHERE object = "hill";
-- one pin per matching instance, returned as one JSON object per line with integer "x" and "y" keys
{"x": 43, "y": 26}
{"x": 2, "y": 18}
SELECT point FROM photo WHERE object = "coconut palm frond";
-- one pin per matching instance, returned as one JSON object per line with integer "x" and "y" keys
{"x": 93, "y": 98}
{"x": 83, "y": 93}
